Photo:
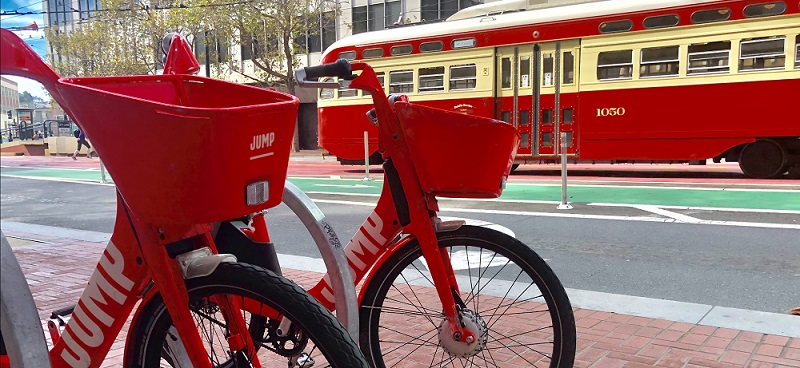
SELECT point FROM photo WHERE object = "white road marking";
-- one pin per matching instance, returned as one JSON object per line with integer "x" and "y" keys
{"x": 663, "y": 212}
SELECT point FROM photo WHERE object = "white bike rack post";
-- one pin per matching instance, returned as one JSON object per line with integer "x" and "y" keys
{"x": 564, "y": 204}
{"x": 332, "y": 252}
{"x": 19, "y": 322}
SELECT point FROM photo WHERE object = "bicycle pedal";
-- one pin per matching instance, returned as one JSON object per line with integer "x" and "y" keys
{"x": 62, "y": 314}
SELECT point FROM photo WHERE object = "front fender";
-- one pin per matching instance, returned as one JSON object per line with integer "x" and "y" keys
{"x": 447, "y": 224}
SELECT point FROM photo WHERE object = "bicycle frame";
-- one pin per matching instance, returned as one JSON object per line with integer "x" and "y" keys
{"x": 378, "y": 236}
{"x": 136, "y": 261}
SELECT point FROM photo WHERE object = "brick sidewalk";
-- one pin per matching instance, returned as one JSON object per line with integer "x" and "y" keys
{"x": 58, "y": 269}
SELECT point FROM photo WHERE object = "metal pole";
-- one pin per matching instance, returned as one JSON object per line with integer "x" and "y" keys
{"x": 564, "y": 204}
{"x": 102, "y": 171}
{"x": 366, "y": 156}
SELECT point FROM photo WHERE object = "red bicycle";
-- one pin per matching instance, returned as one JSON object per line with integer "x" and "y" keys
{"x": 441, "y": 293}
{"x": 196, "y": 307}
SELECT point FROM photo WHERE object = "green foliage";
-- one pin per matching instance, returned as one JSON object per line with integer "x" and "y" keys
{"x": 25, "y": 96}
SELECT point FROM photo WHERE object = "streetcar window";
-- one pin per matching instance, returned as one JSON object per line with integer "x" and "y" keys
{"x": 569, "y": 67}
{"x": 431, "y": 46}
{"x": 347, "y": 55}
{"x": 711, "y": 57}
{"x": 431, "y": 79}
{"x": 505, "y": 70}
{"x": 326, "y": 93}
{"x": 401, "y": 81}
{"x": 547, "y": 117}
{"x": 463, "y": 77}
{"x": 547, "y": 69}
{"x": 372, "y": 53}
{"x": 344, "y": 91}
{"x": 661, "y": 21}
{"x": 765, "y": 9}
{"x": 505, "y": 116}
{"x": 569, "y": 139}
{"x": 659, "y": 62}
{"x": 400, "y": 50}
{"x": 547, "y": 139}
{"x": 567, "y": 116}
{"x": 708, "y": 16}
{"x": 615, "y": 65}
{"x": 524, "y": 71}
{"x": 381, "y": 76}
{"x": 762, "y": 53}
{"x": 524, "y": 118}
{"x": 616, "y": 26}
{"x": 525, "y": 140}
{"x": 797, "y": 52}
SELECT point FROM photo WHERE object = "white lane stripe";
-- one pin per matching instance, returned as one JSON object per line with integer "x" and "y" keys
{"x": 663, "y": 212}
{"x": 46, "y": 168}
{"x": 591, "y": 217}
{"x": 74, "y": 181}
{"x": 722, "y": 209}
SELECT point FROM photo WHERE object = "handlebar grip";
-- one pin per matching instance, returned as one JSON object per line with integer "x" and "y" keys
{"x": 340, "y": 68}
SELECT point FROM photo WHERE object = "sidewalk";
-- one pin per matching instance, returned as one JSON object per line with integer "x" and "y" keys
{"x": 58, "y": 267}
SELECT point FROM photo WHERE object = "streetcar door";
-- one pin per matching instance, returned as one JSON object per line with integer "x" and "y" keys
{"x": 513, "y": 98}
{"x": 557, "y": 95}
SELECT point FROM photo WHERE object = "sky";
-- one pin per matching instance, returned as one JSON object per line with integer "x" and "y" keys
{"x": 37, "y": 44}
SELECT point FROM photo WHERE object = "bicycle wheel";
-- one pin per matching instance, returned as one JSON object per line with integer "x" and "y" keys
{"x": 314, "y": 338}
{"x": 512, "y": 302}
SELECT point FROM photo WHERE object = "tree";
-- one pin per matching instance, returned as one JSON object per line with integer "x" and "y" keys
{"x": 25, "y": 97}
{"x": 125, "y": 39}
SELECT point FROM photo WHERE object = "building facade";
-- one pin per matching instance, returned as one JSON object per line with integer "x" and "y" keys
{"x": 9, "y": 100}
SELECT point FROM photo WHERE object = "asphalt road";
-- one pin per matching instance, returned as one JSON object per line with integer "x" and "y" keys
{"x": 721, "y": 261}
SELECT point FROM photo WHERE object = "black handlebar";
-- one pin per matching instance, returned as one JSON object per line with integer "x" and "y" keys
{"x": 341, "y": 68}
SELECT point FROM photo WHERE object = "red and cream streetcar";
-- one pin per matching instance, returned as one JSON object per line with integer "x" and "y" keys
{"x": 626, "y": 80}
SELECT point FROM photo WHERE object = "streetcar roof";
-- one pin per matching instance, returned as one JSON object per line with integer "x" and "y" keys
{"x": 519, "y": 18}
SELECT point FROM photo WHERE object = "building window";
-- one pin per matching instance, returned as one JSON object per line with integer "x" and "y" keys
{"x": 401, "y": 81}
{"x": 433, "y": 10}
{"x": 762, "y": 53}
{"x": 328, "y": 29}
{"x": 359, "y": 19}
{"x": 569, "y": 67}
{"x": 711, "y": 57}
{"x": 708, "y": 16}
{"x": 377, "y": 18}
{"x": 431, "y": 46}
{"x": 615, "y": 65}
{"x": 661, "y": 21}
{"x": 431, "y": 79}
{"x": 393, "y": 13}
{"x": 765, "y": 9}
{"x": 463, "y": 77}
{"x": 659, "y": 62}
{"x": 616, "y": 26}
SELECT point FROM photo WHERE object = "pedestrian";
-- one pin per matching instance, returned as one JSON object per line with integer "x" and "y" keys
{"x": 81, "y": 141}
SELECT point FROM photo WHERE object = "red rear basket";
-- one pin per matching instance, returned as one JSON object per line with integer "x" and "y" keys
{"x": 182, "y": 149}
{"x": 458, "y": 155}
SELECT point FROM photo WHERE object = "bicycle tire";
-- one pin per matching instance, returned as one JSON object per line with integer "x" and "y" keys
{"x": 387, "y": 343}
{"x": 150, "y": 348}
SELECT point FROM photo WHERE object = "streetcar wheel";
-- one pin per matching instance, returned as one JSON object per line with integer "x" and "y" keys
{"x": 514, "y": 167}
{"x": 762, "y": 159}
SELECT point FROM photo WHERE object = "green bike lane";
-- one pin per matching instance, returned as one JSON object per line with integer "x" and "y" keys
{"x": 723, "y": 196}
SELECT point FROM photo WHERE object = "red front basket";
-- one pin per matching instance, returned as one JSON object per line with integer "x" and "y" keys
{"x": 182, "y": 149}
{"x": 458, "y": 155}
